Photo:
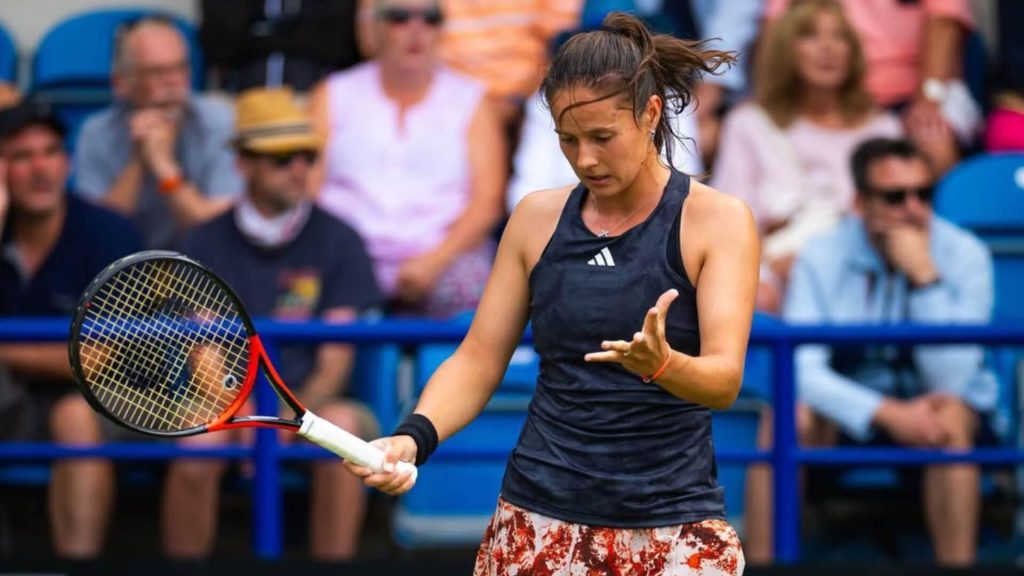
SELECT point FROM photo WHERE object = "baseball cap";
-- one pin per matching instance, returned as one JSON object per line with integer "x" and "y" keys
{"x": 29, "y": 112}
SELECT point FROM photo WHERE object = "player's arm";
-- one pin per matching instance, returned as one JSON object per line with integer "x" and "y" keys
{"x": 725, "y": 233}
{"x": 332, "y": 368}
{"x": 460, "y": 388}
{"x": 462, "y": 385}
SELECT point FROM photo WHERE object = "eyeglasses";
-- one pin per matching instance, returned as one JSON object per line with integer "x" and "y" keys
{"x": 898, "y": 196}
{"x": 284, "y": 159}
{"x": 152, "y": 72}
{"x": 399, "y": 15}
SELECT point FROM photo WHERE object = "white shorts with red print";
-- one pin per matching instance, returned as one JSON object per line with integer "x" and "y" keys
{"x": 519, "y": 543}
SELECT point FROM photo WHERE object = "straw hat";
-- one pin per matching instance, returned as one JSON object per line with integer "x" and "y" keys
{"x": 269, "y": 121}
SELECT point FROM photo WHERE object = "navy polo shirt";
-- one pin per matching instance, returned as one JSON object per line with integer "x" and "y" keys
{"x": 91, "y": 238}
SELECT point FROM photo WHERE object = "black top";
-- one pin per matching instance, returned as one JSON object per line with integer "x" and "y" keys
{"x": 599, "y": 446}
{"x": 257, "y": 43}
{"x": 326, "y": 266}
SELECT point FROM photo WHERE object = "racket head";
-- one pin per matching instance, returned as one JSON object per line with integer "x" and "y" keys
{"x": 161, "y": 345}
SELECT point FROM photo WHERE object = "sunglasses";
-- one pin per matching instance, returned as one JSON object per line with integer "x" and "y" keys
{"x": 399, "y": 15}
{"x": 898, "y": 196}
{"x": 284, "y": 159}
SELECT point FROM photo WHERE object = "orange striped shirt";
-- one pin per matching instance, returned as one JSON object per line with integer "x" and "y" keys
{"x": 504, "y": 43}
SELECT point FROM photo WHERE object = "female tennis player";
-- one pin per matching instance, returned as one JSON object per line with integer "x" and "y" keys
{"x": 640, "y": 286}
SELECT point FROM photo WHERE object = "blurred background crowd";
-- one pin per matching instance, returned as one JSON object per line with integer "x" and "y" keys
{"x": 344, "y": 159}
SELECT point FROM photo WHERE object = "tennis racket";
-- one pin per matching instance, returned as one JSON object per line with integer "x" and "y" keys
{"x": 161, "y": 345}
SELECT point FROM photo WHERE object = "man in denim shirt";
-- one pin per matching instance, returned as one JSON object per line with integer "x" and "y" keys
{"x": 895, "y": 262}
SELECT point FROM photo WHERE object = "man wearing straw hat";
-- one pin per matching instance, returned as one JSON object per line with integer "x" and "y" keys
{"x": 289, "y": 260}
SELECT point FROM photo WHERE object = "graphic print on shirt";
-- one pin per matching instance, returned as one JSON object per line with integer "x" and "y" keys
{"x": 299, "y": 293}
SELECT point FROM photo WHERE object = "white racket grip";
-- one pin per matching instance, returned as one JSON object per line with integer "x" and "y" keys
{"x": 348, "y": 446}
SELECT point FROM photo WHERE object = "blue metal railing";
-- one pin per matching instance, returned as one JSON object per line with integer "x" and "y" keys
{"x": 786, "y": 456}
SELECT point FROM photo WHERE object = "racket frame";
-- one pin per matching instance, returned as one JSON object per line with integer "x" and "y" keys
{"x": 258, "y": 358}
{"x": 306, "y": 423}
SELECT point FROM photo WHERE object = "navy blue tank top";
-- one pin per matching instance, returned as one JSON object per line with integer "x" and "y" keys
{"x": 599, "y": 446}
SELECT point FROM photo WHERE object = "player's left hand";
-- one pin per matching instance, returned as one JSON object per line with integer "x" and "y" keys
{"x": 648, "y": 349}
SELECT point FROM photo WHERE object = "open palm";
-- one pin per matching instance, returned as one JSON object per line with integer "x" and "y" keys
{"x": 647, "y": 351}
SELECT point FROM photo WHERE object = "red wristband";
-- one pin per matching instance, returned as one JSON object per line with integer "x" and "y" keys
{"x": 657, "y": 373}
{"x": 170, "y": 184}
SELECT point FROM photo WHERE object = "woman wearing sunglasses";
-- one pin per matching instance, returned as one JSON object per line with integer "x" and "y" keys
{"x": 415, "y": 161}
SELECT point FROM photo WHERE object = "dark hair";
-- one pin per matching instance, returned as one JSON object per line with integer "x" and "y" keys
{"x": 32, "y": 111}
{"x": 624, "y": 57}
{"x": 875, "y": 149}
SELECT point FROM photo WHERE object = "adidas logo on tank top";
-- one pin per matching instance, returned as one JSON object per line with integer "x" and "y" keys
{"x": 602, "y": 258}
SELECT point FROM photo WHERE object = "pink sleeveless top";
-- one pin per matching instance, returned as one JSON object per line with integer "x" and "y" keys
{"x": 401, "y": 187}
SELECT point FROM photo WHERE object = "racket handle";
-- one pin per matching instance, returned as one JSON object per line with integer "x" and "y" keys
{"x": 348, "y": 446}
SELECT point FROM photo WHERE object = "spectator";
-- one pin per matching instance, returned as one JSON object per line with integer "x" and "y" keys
{"x": 502, "y": 44}
{"x": 787, "y": 154}
{"x": 251, "y": 43}
{"x": 53, "y": 244}
{"x": 914, "y": 50}
{"x": 270, "y": 249}
{"x": 416, "y": 162}
{"x": 896, "y": 262}
{"x": 160, "y": 154}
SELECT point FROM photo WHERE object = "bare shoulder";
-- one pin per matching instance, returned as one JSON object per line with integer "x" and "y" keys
{"x": 534, "y": 220}
{"x": 716, "y": 214}
{"x": 541, "y": 206}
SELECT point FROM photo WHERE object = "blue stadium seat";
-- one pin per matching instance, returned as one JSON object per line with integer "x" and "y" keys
{"x": 594, "y": 11}
{"x": 71, "y": 67}
{"x": 8, "y": 58}
{"x": 733, "y": 430}
{"x": 985, "y": 194}
{"x": 375, "y": 382}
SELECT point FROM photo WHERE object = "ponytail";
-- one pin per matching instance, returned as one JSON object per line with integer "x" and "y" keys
{"x": 623, "y": 58}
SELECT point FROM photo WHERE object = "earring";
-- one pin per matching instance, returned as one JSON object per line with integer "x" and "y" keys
{"x": 653, "y": 134}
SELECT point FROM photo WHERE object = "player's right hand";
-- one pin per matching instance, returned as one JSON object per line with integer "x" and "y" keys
{"x": 391, "y": 481}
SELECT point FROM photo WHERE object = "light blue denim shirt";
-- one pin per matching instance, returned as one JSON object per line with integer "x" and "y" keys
{"x": 202, "y": 148}
{"x": 839, "y": 278}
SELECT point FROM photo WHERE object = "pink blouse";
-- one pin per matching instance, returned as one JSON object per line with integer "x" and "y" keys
{"x": 779, "y": 172}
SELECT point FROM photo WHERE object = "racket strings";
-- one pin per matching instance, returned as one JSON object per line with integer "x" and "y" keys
{"x": 163, "y": 346}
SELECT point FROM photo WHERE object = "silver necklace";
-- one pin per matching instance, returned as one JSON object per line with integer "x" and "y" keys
{"x": 605, "y": 232}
